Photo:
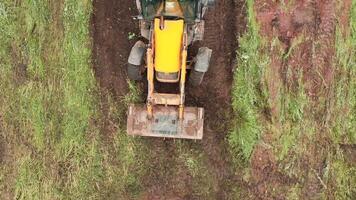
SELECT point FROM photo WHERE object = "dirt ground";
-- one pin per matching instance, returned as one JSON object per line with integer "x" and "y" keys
{"x": 111, "y": 25}
{"x": 313, "y": 21}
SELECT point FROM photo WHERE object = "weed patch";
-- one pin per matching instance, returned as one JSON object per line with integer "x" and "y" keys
{"x": 247, "y": 97}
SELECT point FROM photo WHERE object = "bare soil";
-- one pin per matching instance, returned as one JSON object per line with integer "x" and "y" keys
{"x": 111, "y": 25}
{"x": 267, "y": 181}
{"x": 349, "y": 151}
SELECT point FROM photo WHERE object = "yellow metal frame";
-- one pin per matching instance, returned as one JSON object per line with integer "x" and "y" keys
{"x": 168, "y": 45}
{"x": 150, "y": 76}
{"x": 150, "y": 79}
{"x": 183, "y": 75}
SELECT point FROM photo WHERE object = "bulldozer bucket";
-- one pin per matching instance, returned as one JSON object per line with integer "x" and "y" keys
{"x": 165, "y": 122}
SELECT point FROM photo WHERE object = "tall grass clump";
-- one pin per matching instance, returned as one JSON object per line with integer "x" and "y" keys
{"x": 25, "y": 99}
{"x": 124, "y": 157}
{"x": 246, "y": 91}
{"x": 294, "y": 121}
{"x": 78, "y": 79}
{"x": 79, "y": 142}
{"x": 352, "y": 119}
{"x": 7, "y": 32}
{"x": 50, "y": 116}
{"x": 343, "y": 109}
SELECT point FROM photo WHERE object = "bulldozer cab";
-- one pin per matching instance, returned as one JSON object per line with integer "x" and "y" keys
{"x": 153, "y": 8}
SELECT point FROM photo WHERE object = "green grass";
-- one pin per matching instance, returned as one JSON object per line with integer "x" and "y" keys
{"x": 48, "y": 113}
{"x": 302, "y": 123}
{"x": 194, "y": 161}
{"x": 342, "y": 175}
{"x": 301, "y": 117}
{"x": 78, "y": 80}
{"x": 344, "y": 107}
{"x": 246, "y": 93}
{"x": 294, "y": 122}
{"x": 52, "y": 109}
{"x": 134, "y": 96}
{"x": 125, "y": 158}
{"x": 52, "y": 124}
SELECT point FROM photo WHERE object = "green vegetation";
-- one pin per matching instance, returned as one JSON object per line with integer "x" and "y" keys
{"x": 49, "y": 106}
{"x": 195, "y": 163}
{"x": 247, "y": 98}
{"x": 56, "y": 145}
{"x": 343, "y": 173}
{"x": 53, "y": 138}
{"x": 302, "y": 124}
{"x": 294, "y": 121}
{"x": 344, "y": 128}
{"x": 342, "y": 177}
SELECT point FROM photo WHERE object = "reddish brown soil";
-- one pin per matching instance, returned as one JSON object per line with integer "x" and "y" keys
{"x": 349, "y": 151}
{"x": 267, "y": 182}
{"x": 111, "y": 23}
{"x": 313, "y": 24}
{"x": 313, "y": 20}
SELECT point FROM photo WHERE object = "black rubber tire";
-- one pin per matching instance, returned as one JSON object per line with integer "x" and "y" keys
{"x": 196, "y": 78}
{"x": 134, "y": 72}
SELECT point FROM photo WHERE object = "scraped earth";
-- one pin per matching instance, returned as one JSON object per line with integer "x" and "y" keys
{"x": 112, "y": 24}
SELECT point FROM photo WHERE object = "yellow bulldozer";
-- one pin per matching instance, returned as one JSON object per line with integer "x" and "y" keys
{"x": 168, "y": 28}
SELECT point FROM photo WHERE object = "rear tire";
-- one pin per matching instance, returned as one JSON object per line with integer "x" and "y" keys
{"x": 145, "y": 29}
{"x": 196, "y": 78}
{"x": 135, "y": 61}
{"x": 134, "y": 72}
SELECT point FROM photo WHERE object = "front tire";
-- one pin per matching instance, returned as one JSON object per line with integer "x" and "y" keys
{"x": 135, "y": 61}
{"x": 196, "y": 78}
{"x": 134, "y": 72}
{"x": 201, "y": 66}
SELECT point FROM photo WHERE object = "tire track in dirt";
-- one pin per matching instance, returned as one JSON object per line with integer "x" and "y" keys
{"x": 111, "y": 24}
{"x": 167, "y": 178}
{"x": 224, "y": 24}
